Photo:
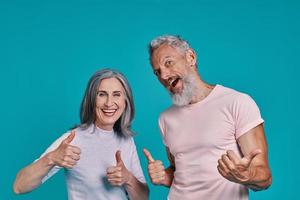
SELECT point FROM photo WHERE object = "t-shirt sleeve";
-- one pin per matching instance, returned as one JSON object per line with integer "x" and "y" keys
{"x": 136, "y": 168}
{"x": 162, "y": 128}
{"x": 52, "y": 147}
{"x": 246, "y": 114}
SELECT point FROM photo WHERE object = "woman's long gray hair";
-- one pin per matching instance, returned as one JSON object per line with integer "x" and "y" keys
{"x": 88, "y": 104}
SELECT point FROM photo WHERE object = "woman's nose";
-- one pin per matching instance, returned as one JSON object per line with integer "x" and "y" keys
{"x": 109, "y": 101}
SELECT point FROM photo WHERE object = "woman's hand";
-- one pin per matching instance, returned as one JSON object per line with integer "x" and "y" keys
{"x": 118, "y": 175}
{"x": 65, "y": 155}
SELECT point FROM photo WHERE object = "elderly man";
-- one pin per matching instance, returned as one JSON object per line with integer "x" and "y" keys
{"x": 214, "y": 135}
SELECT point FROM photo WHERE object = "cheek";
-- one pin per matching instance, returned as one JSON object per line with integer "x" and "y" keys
{"x": 99, "y": 103}
{"x": 97, "y": 111}
{"x": 122, "y": 104}
{"x": 164, "y": 83}
{"x": 181, "y": 67}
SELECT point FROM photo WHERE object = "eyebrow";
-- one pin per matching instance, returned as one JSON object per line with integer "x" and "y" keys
{"x": 104, "y": 91}
{"x": 163, "y": 59}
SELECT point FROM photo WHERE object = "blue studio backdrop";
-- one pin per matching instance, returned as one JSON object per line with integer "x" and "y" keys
{"x": 49, "y": 49}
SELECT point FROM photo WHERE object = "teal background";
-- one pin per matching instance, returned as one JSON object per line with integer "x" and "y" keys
{"x": 49, "y": 49}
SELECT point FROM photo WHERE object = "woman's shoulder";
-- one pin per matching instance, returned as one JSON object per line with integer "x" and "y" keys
{"x": 127, "y": 141}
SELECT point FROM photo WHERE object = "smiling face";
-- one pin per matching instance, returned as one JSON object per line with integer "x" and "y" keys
{"x": 110, "y": 103}
{"x": 170, "y": 65}
{"x": 176, "y": 71}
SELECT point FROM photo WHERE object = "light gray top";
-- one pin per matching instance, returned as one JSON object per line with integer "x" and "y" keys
{"x": 87, "y": 179}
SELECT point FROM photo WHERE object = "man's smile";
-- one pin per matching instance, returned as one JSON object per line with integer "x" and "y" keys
{"x": 173, "y": 81}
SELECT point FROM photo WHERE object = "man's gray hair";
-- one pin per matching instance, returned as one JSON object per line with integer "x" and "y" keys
{"x": 173, "y": 40}
{"x": 87, "y": 111}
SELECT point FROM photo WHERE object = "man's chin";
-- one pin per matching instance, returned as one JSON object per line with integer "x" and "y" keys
{"x": 176, "y": 91}
{"x": 180, "y": 100}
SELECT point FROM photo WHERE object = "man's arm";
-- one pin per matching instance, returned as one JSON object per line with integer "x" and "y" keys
{"x": 157, "y": 172}
{"x": 169, "y": 172}
{"x": 261, "y": 177}
{"x": 253, "y": 169}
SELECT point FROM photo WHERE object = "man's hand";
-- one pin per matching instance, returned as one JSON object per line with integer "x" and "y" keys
{"x": 118, "y": 175}
{"x": 65, "y": 155}
{"x": 156, "y": 169}
{"x": 235, "y": 169}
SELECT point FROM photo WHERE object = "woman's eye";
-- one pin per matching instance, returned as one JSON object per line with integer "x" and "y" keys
{"x": 101, "y": 94}
{"x": 117, "y": 95}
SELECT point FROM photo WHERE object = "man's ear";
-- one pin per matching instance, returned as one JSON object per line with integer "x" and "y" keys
{"x": 191, "y": 57}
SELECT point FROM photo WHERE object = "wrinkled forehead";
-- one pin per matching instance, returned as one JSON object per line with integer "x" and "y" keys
{"x": 163, "y": 52}
{"x": 110, "y": 84}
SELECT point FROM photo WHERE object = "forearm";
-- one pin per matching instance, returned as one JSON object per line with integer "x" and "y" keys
{"x": 261, "y": 178}
{"x": 31, "y": 176}
{"x": 136, "y": 189}
{"x": 169, "y": 175}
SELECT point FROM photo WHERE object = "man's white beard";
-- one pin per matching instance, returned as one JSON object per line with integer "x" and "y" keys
{"x": 188, "y": 92}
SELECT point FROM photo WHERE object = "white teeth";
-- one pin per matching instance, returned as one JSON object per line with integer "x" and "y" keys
{"x": 109, "y": 111}
{"x": 171, "y": 80}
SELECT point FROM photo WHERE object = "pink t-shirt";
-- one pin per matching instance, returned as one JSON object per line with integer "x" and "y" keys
{"x": 198, "y": 134}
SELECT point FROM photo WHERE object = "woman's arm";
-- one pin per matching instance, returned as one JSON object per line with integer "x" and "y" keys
{"x": 30, "y": 177}
{"x": 136, "y": 189}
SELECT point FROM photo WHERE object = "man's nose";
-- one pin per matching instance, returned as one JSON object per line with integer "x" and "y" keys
{"x": 164, "y": 74}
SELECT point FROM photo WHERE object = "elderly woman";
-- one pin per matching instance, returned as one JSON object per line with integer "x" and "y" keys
{"x": 99, "y": 156}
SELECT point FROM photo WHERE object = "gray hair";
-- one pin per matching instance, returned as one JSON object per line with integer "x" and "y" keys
{"x": 87, "y": 110}
{"x": 172, "y": 40}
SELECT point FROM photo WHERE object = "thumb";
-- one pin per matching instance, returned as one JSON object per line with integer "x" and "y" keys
{"x": 70, "y": 138}
{"x": 248, "y": 158}
{"x": 118, "y": 158}
{"x": 148, "y": 155}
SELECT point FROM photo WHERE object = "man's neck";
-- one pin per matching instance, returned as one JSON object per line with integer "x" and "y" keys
{"x": 202, "y": 91}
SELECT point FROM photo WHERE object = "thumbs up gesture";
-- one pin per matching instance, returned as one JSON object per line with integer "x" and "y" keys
{"x": 156, "y": 170}
{"x": 236, "y": 169}
{"x": 65, "y": 155}
{"x": 118, "y": 175}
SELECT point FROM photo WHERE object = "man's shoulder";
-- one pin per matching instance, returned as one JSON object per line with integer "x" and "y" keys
{"x": 230, "y": 92}
{"x": 171, "y": 110}
{"x": 234, "y": 97}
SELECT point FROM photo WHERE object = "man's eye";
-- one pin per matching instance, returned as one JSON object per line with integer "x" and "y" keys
{"x": 169, "y": 63}
{"x": 156, "y": 72}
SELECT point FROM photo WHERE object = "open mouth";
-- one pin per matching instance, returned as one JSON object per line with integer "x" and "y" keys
{"x": 109, "y": 112}
{"x": 173, "y": 81}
